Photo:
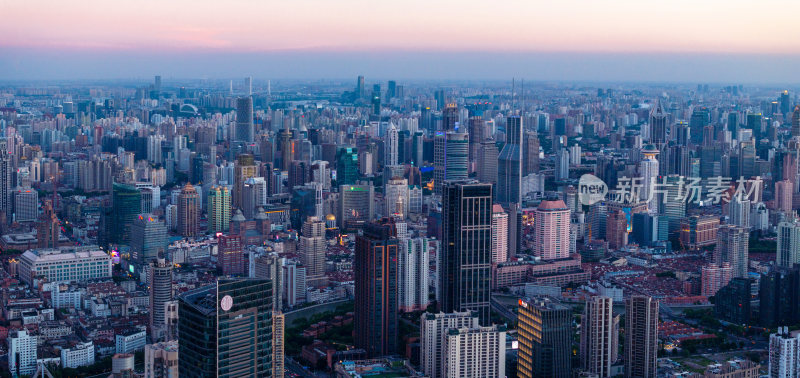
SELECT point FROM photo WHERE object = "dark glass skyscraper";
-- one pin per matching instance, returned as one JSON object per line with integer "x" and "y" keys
{"x": 545, "y": 339}
{"x": 225, "y": 330}
{"x": 509, "y": 164}
{"x": 778, "y": 294}
{"x": 732, "y": 302}
{"x": 658, "y": 125}
{"x": 376, "y": 285}
{"x": 148, "y": 238}
{"x": 465, "y": 261}
{"x": 347, "y": 165}
{"x": 244, "y": 119}
{"x": 127, "y": 204}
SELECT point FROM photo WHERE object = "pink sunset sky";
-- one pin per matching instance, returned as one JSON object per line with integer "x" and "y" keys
{"x": 706, "y": 26}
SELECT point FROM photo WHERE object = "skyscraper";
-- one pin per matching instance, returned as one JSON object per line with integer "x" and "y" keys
{"x": 244, "y": 169}
{"x": 499, "y": 234}
{"x": 450, "y": 158}
{"x": 732, "y": 247}
{"x": 391, "y": 157}
{"x": 551, "y": 230}
{"x": 160, "y": 283}
{"x": 658, "y": 124}
{"x": 414, "y": 272}
{"x": 474, "y": 352}
{"x": 244, "y": 119}
{"x": 783, "y": 354}
{"x": 562, "y": 165}
{"x": 509, "y": 164}
{"x": 464, "y": 266}
{"x": 21, "y": 353}
{"x": 599, "y": 336}
{"x": 641, "y": 336}
{"x": 5, "y": 179}
{"x": 188, "y": 211}
{"x": 544, "y": 329}
{"x": 219, "y": 209}
{"x": 788, "y": 243}
{"x": 376, "y": 285}
{"x": 778, "y": 294}
{"x": 225, "y": 329}
{"x": 732, "y": 302}
{"x": 648, "y": 169}
{"x": 356, "y": 206}
{"x": 432, "y": 329}
{"x": 127, "y": 203}
{"x": 312, "y": 251}
{"x": 530, "y": 153}
{"x": 450, "y": 118}
{"x": 149, "y": 239}
{"x": 346, "y": 165}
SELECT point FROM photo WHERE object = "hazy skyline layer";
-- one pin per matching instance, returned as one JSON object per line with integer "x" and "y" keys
{"x": 680, "y": 40}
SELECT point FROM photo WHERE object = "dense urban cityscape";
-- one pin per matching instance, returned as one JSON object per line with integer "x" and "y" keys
{"x": 387, "y": 189}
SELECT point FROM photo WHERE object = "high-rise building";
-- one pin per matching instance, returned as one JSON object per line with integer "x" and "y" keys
{"x": 6, "y": 167}
{"x": 509, "y": 164}
{"x": 544, "y": 332}
{"x": 784, "y": 193}
{"x": 278, "y": 355}
{"x": 391, "y": 157}
{"x": 714, "y": 277}
{"x": 376, "y": 284}
{"x": 347, "y": 165}
{"x": 648, "y": 169}
{"x": 356, "y": 206}
{"x": 658, "y": 124}
{"x": 26, "y": 205}
{"x": 778, "y": 294}
{"x": 312, "y": 251}
{"x": 219, "y": 209}
{"x": 449, "y": 117}
{"x": 784, "y": 353}
{"x": 450, "y": 158}
{"x": 432, "y": 329}
{"x": 617, "y": 229}
{"x": 641, "y": 336}
{"x": 160, "y": 283}
{"x": 225, "y": 329}
{"x": 161, "y": 360}
{"x": 530, "y": 153}
{"x": 465, "y": 258}
{"x": 188, "y": 211}
{"x": 551, "y": 230}
{"x": 474, "y": 352}
{"x": 244, "y": 169}
{"x": 48, "y": 228}
{"x": 788, "y": 243}
{"x": 127, "y": 203}
{"x": 414, "y": 272}
{"x": 396, "y": 197}
{"x": 732, "y": 302}
{"x": 487, "y": 162}
{"x": 599, "y": 336}
{"x": 148, "y": 239}
{"x": 244, "y": 119}
{"x": 21, "y": 353}
{"x": 732, "y": 247}
{"x": 562, "y": 165}
{"x": 499, "y": 234}
{"x": 230, "y": 255}
{"x": 739, "y": 212}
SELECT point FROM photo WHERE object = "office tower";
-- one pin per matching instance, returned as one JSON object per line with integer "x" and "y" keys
{"x": 466, "y": 248}
{"x": 391, "y": 157}
{"x": 414, "y": 273}
{"x": 48, "y": 228}
{"x": 732, "y": 302}
{"x": 530, "y": 153}
{"x": 376, "y": 284}
{"x": 287, "y": 146}
{"x": 254, "y": 195}
{"x": 346, "y": 165}
{"x": 149, "y": 239}
{"x": 648, "y": 169}
{"x": 551, "y": 230}
{"x": 616, "y": 229}
{"x": 356, "y": 205}
{"x": 509, "y": 164}
{"x": 6, "y": 167}
{"x": 161, "y": 360}
{"x": 796, "y": 121}
{"x": 499, "y": 234}
{"x": 487, "y": 162}
{"x": 160, "y": 283}
{"x": 188, "y": 211}
{"x": 391, "y": 89}
{"x": 562, "y": 165}
{"x": 754, "y": 122}
{"x": 26, "y": 205}
{"x": 784, "y": 193}
{"x": 788, "y": 243}
{"x": 474, "y": 352}
{"x": 784, "y": 354}
{"x": 449, "y": 118}
{"x": 396, "y": 197}
{"x": 658, "y": 124}
{"x": 219, "y": 209}
{"x": 739, "y": 212}
{"x": 299, "y": 173}
{"x": 450, "y": 158}
{"x": 674, "y": 210}
{"x": 599, "y": 336}
{"x": 544, "y": 332}
{"x": 312, "y": 251}
{"x": 360, "y": 88}
{"x": 244, "y": 119}
{"x": 127, "y": 203}
{"x": 321, "y": 174}
{"x": 248, "y": 85}
{"x": 714, "y": 277}
{"x": 641, "y": 336}
{"x": 778, "y": 294}
{"x": 230, "y": 255}
{"x": 278, "y": 355}
{"x": 21, "y": 353}
{"x": 376, "y": 99}
{"x": 732, "y": 247}
{"x": 699, "y": 120}
{"x": 225, "y": 329}
{"x": 432, "y": 329}
{"x": 244, "y": 169}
